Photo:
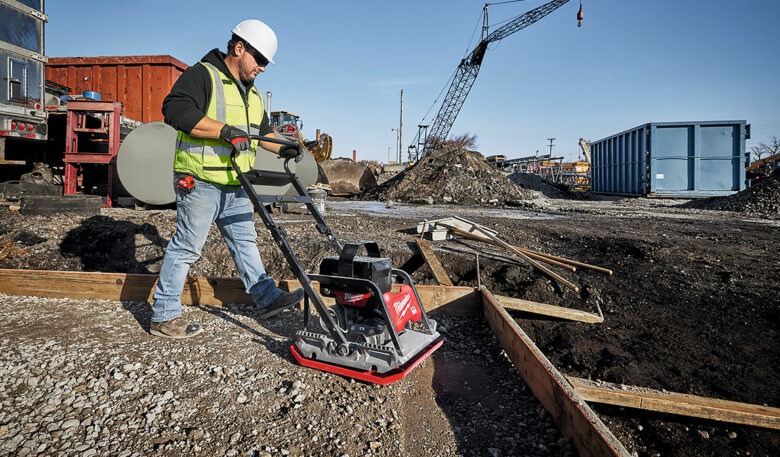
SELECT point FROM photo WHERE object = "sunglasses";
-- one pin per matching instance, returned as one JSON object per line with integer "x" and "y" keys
{"x": 259, "y": 58}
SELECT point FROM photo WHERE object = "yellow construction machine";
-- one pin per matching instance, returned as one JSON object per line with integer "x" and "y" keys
{"x": 290, "y": 126}
{"x": 340, "y": 177}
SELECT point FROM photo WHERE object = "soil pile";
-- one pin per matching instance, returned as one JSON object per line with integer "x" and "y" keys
{"x": 454, "y": 176}
{"x": 762, "y": 199}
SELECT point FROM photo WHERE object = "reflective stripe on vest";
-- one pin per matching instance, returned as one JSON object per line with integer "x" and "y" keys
{"x": 208, "y": 158}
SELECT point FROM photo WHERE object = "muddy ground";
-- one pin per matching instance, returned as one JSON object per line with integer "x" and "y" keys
{"x": 693, "y": 306}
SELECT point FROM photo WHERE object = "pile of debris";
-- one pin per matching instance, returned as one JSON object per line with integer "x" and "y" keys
{"x": 451, "y": 176}
{"x": 762, "y": 199}
{"x": 532, "y": 181}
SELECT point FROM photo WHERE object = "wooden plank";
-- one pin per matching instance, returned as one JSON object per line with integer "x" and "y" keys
{"x": 545, "y": 309}
{"x": 568, "y": 410}
{"x": 117, "y": 286}
{"x": 677, "y": 403}
{"x": 466, "y": 225}
{"x": 436, "y": 267}
{"x": 452, "y": 300}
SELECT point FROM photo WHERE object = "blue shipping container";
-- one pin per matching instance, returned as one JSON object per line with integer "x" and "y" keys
{"x": 672, "y": 159}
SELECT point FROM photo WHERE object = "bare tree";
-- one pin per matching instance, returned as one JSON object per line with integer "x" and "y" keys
{"x": 767, "y": 150}
{"x": 464, "y": 141}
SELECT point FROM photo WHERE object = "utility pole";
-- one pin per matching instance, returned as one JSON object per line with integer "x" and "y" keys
{"x": 401, "y": 127}
{"x": 397, "y": 140}
{"x": 268, "y": 105}
{"x": 551, "y": 144}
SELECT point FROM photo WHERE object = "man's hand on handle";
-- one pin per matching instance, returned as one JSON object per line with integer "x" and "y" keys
{"x": 291, "y": 152}
{"x": 235, "y": 136}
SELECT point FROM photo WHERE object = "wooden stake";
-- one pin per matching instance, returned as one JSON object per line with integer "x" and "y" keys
{"x": 433, "y": 262}
{"x": 572, "y": 262}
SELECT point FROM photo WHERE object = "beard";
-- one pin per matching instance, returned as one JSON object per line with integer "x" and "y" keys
{"x": 246, "y": 77}
{"x": 248, "y": 81}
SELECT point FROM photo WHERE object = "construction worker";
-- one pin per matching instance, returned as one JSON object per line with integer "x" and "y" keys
{"x": 215, "y": 106}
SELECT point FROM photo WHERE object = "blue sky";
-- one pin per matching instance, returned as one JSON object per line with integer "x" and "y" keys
{"x": 341, "y": 65}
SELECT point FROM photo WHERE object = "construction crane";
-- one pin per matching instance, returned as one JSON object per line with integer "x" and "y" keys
{"x": 429, "y": 135}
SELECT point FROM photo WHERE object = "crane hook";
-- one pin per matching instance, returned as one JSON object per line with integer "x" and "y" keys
{"x": 580, "y": 16}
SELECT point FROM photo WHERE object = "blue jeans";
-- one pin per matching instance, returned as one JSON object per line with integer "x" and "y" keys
{"x": 233, "y": 212}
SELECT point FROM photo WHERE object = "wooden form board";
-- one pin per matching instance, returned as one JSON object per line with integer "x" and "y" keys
{"x": 569, "y": 411}
{"x": 549, "y": 310}
{"x": 451, "y": 300}
{"x": 197, "y": 290}
{"x": 677, "y": 403}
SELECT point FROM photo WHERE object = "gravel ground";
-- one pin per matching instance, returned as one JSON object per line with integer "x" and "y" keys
{"x": 85, "y": 378}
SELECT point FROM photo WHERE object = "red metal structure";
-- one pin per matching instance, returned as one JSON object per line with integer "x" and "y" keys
{"x": 140, "y": 83}
{"x": 92, "y": 137}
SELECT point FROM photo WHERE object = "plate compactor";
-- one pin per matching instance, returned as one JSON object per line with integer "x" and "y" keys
{"x": 377, "y": 331}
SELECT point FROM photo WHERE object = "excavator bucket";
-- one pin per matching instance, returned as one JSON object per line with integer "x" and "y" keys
{"x": 347, "y": 178}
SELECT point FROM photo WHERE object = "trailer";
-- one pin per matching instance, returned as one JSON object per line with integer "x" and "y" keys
{"x": 23, "y": 126}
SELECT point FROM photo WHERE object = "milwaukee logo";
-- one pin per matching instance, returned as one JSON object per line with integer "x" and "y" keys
{"x": 354, "y": 298}
{"x": 404, "y": 305}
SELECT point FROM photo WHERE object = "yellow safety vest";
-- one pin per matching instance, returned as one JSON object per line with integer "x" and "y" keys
{"x": 207, "y": 158}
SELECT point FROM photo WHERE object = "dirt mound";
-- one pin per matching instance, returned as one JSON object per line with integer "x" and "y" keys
{"x": 762, "y": 199}
{"x": 451, "y": 176}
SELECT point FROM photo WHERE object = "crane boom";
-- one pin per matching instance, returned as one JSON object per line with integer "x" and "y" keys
{"x": 467, "y": 72}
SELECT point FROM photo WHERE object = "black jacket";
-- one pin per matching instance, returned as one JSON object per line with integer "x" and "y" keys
{"x": 188, "y": 101}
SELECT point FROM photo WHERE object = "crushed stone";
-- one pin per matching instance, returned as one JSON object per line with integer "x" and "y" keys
{"x": 762, "y": 199}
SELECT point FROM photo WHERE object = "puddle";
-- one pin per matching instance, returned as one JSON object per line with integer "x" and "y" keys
{"x": 407, "y": 210}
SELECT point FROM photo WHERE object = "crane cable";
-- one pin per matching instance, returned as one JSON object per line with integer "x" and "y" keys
{"x": 449, "y": 81}
{"x": 501, "y": 3}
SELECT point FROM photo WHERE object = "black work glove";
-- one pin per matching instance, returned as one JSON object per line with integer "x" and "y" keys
{"x": 291, "y": 152}
{"x": 235, "y": 136}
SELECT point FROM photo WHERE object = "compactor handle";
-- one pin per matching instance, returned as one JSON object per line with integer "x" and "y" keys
{"x": 283, "y": 142}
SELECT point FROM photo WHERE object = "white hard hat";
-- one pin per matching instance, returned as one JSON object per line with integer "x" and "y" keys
{"x": 258, "y": 35}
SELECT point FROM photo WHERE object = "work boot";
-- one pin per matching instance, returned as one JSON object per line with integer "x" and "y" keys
{"x": 176, "y": 328}
{"x": 283, "y": 301}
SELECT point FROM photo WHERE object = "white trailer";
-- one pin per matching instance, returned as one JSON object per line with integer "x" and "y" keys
{"x": 23, "y": 126}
